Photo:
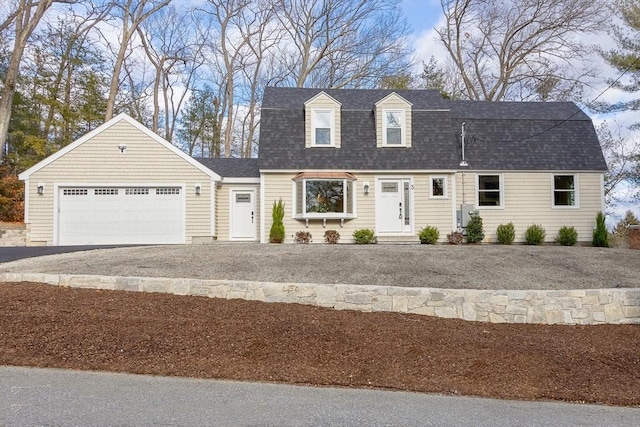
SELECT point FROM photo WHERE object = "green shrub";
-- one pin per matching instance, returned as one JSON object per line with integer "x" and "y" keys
{"x": 600, "y": 238}
{"x": 475, "y": 231}
{"x": 567, "y": 236}
{"x": 302, "y": 237}
{"x": 535, "y": 234}
{"x": 506, "y": 233}
{"x": 276, "y": 233}
{"x": 429, "y": 235}
{"x": 364, "y": 236}
{"x": 331, "y": 236}
{"x": 455, "y": 237}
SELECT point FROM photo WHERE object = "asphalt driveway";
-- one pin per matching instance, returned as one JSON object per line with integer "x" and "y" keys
{"x": 14, "y": 253}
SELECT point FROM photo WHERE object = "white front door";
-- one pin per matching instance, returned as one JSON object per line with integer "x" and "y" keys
{"x": 393, "y": 206}
{"x": 242, "y": 216}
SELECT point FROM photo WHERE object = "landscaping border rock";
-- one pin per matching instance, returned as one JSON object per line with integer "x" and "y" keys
{"x": 559, "y": 307}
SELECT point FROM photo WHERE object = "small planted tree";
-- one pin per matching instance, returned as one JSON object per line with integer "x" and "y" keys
{"x": 535, "y": 234}
{"x": 276, "y": 233}
{"x": 567, "y": 236}
{"x": 429, "y": 235}
{"x": 475, "y": 230}
{"x": 506, "y": 233}
{"x": 600, "y": 237}
{"x": 364, "y": 236}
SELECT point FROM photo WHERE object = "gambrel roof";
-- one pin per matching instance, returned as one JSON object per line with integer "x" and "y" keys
{"x": 508, "y": 136}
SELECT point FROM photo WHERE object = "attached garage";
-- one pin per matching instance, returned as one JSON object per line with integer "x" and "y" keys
{"x": 120, "y": 184}
{"x": 120, "y": 215}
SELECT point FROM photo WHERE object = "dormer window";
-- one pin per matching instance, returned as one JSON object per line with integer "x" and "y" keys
{"x": 393, "y": 128}
{"x": 322, "y": 122}
{"x": 322, "y": 128}
{"x": 393, "y": 121}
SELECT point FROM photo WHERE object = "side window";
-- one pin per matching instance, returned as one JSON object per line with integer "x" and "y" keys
{"x": 564, "y": 190}
{"x": 393, "y": 128}
{"x": 489, "y": 191}
{"x": 322, "y": 134}
{"x": 438, "y": 186}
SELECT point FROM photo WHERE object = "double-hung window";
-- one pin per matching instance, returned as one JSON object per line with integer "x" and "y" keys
{"x": 394, "y": 134}
{"x": 324, "y": 198}
{"x": 489, "y": 191}
{"x": 438, "y": 187}
{"x": 323, "y": 128}
{"x": 564, "y": 190}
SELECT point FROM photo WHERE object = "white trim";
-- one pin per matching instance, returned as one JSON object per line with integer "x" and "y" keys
{"x": 403, "y": 127}
{"x": 332, "y": 127}
{"x": 445, "y": 194}
{"x": 120, "y": 117}
{"x": 324, "y": 215}
{"x": 319, "y": 94}
{"x": 262, "y": 208}
{"x": 58, "y": 186}
{"x": 395, "y": 95}
{"x": 401, "y": 180}
{"x": 253, "y": 191}
{"x": 576, "y": 192}
{"x": 214, "y": 212}
{"x": 26, "y": 201}
{"x": 365, "y": 171}
{"x": 602, "y": 198}
{"x": 501, "y": 191}
{"x": 454, "y": 207}
{"x": 232, "y": 180}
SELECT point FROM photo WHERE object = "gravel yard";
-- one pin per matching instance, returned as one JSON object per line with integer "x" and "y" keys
{"x": 440, "y": 266}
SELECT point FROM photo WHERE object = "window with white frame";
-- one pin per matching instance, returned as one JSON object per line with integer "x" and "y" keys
{"x": 393, "y": 132}
{"x": 322, "y": 127}
{"x": 438, "y": 186}
{"x": 324, "y": 198}
{"x": 564, "y": 190}
{"x": 489, "y": 191}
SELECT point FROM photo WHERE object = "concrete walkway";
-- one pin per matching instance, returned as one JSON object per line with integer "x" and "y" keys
{"x": 31, "y": 397}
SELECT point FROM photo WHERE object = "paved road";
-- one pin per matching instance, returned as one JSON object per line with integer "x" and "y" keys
{"x": 14, "y": 253}
{"x": 50, "y": 397}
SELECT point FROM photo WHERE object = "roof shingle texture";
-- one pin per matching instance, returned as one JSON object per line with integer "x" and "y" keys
{"x": 499, "y": 135}
{"x": 232, "y": 167}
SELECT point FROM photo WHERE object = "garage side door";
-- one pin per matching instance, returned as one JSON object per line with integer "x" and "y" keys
{"x": 121, "y": 215}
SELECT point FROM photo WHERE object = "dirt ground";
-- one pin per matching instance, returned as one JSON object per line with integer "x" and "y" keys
{"x": 439, "y": 266}
{"x": 49, "y": 326}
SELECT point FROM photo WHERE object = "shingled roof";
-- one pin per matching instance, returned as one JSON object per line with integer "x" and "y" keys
{"x": 232, "y": 167}
{"x": 499, "y": 135}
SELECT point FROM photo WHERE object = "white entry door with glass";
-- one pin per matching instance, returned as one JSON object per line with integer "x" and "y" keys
{"x": 242, "y": 218}
{"x": 393, "y": 206}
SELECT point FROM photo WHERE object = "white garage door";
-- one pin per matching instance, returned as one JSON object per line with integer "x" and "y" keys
{"x": 120, "y": 215}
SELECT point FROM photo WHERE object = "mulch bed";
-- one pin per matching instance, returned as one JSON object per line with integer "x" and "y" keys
{"x": 49, "y": 326}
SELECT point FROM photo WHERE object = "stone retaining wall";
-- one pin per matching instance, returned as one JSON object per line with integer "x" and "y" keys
{"x": 13, "y": 234}
{"x": 566, "y": 307}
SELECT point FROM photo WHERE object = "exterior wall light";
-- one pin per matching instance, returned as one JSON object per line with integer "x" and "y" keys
{"x": 198, "y": 189}
{"x": 365, "y": 187}
{"x": 122, "y": 148}
{"x": 40, "y": 188}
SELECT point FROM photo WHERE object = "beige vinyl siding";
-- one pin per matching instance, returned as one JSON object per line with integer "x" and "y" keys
{"x": 427, "y": 211}
{"x": 98, "y": 161}
{"x": 223, "y": 208}
{"x": 322, "y": 102}
{"x": 528, "y": 199}
{"x": 393, "y": 102}
{"x": 436, "y": 212}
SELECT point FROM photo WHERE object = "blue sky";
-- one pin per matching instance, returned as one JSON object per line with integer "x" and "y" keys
{"x": 422, "y": 15}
